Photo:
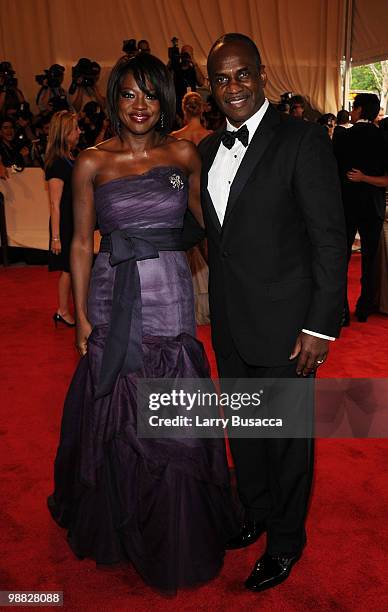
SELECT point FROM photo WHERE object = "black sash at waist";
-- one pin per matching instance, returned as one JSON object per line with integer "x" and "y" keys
{"x": 123, "y": 348}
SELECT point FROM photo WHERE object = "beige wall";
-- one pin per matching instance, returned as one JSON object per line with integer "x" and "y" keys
{"x": 300, "y": 42}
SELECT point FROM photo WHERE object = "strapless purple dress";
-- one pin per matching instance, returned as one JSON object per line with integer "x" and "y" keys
{"x": 163, "y": 504}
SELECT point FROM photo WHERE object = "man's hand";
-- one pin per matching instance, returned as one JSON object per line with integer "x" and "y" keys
{"x": 356, "y": 176}
{"x": 312, "y": 352}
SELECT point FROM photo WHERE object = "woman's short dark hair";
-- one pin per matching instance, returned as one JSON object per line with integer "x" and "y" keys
{"x": 144, "y": 67}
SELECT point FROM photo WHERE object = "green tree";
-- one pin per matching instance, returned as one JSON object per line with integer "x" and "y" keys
{"x": 363, "y": 78}
{"x": 372, "y": 77}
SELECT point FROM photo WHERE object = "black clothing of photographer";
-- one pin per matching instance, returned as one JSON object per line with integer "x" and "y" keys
{"x": 91, "y": 123}
{"x": 10, "y": 95}
{"x": 51, "y": 87}
{"x": 187, "y": 73}
{"x": 84, "y": 87}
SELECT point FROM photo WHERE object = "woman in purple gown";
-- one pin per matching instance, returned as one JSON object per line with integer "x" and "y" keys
{"x": 163, "y": 504}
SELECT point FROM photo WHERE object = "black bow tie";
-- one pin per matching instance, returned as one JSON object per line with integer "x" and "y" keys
{"x": 229, "y": 138}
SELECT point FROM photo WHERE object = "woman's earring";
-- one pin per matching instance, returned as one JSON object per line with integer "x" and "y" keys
{"x": 161, "y": 120}
{"x": 118, "y": 126}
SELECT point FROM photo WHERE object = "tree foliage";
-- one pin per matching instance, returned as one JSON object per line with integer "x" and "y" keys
{"x": 374, "y": 78}
{"x": 364, "y": 78}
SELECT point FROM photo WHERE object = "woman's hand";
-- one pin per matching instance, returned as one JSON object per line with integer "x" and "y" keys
{"x": 356, "y": 176}
{"x": 56, "y": 246}
{"x": 84, "y": 330}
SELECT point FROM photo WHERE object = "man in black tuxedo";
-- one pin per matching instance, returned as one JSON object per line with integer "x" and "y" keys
{"x": 363, "y": 148}
{"x": 277, "y": 260}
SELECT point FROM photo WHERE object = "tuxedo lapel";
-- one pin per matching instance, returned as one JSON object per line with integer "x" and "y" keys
{"x": 207, "y": 162}
{"x": 256, "y": 149}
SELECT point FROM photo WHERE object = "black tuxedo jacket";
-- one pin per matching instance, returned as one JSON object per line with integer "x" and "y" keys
{"x": 362, "y": 147}
{"x": 278, "y": 263}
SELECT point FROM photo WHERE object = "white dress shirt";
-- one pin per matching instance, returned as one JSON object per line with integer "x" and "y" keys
{"x": 224, "y": 169}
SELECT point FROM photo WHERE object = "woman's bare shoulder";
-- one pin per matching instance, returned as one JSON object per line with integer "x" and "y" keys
{"x": 93, "y": 158}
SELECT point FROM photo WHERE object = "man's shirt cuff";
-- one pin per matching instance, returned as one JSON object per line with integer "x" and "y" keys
{"x": 307, "y": 331}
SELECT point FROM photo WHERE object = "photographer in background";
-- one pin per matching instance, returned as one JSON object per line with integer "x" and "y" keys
{"x": 143, "y": 46}
{"x": 25, "y": 133}
{"x": 187, "y": 73}
{"x": 10, "y": 95}
{"x": 129, "y": 47}
{"x": 297, "y": 106}
{"x": 84, "y": 87}
{"x": 39, "y": 144}
{"x": 91, "y": 122}
{"x": 50, "y": 87}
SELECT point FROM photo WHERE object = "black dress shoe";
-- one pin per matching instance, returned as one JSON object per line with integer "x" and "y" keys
{"x": 270, "y": 570}
{"x": 250, "y": 533}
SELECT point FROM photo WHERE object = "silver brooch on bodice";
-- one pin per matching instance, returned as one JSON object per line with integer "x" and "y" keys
{"x": 176, "y": 181}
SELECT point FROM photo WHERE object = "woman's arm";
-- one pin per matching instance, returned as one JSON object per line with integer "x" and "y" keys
{"x": 356, "y": 176}
{"x": 55, "y": 187}
{"x": 81, "y": 253}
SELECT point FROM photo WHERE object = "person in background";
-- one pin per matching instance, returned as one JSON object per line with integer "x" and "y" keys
{"x": 51, "y": 87}
{"x": 214, "y": 118}
{"x": 283, "y": 107}
{"x": 62, "y": 140}
{"x": 91, "y": 120}
{"x": 82, "y": 91}
{"x": 194, "y": 131}
{"x": 379, "y": 117}
{"x": 343, "y": 120}
{"x": 10, "y": 95}
{"x": 187, "y": 75}
{"x": 362, "y": 148}
{"x": 343, "y": 124}
{"x": 105, "y": 131}
{"x": 25, "y": 132}
{"x": 12, "y": 155}
{"x": 328, "y": 121}
{"x": 297, "y": 106}
{"x": 39, "y": 144}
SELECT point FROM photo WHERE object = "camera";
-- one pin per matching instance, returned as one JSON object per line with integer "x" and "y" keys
{"x": 129, "y": 46}
{"x": 286, "y": 97}
{"x": 7, "y": 72}
{"x": 87, "y": 71}
{"x": 53, "y": 76}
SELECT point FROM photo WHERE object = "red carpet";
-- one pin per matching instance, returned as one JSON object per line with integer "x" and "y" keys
{"x": 344, "y": 566}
